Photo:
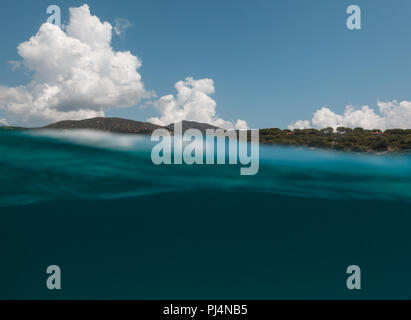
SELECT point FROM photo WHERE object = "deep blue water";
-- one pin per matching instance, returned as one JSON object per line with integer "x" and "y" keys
{"x": 121, "y": 227}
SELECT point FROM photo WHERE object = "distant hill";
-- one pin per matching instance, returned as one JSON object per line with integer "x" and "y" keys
{"x": 344, "y": 139}
{"x": 8, "y": 128}
{"x": 106, "y": 124}
{"x": 192, "y": 125}
{"x": 119, "y": 125}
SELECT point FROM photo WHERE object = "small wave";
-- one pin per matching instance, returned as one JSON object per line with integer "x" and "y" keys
{"x": 94, "y": 138}
{"x": 52, "y": 165}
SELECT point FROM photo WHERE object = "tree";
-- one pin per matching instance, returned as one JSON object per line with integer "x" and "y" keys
{"x": 327, "y": 131}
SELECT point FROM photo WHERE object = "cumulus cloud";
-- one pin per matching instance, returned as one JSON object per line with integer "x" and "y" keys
{"x": 300, "y": 124}
{"x": 193, "y": 103}
{"x": 14, "y": 64}
{"x": 121, "y": 25}
{"x": 390, "y": 115}
{"x": 3, "y": 122}
{"x": 241, "y": 125}
{"x": 76, "y": 73}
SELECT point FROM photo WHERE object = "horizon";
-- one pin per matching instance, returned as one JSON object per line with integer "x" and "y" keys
{"x": 197, "y": 122}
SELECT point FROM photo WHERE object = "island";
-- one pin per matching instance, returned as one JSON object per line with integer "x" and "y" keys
{"x": 341, "y": 139}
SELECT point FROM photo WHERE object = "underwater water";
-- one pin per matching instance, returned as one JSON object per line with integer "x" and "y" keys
{"x": 122, "y": 228}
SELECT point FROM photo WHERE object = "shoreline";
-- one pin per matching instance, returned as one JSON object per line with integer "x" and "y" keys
{"x": 358, "y": 140}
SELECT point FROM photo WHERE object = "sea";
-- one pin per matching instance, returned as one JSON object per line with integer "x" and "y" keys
{"x": 120, "y": 227}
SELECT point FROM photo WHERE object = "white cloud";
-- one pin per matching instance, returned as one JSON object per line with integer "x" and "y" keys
{"x": 121, "y": 25}
{"x": 3, "y": 122}
{"x": 300, "y": 124}
{"x": 76, "y": 73}
{"x": 14, "y": 64}
{"x": 193, "y": 102}
{"x": 241, "y": 125}
{"x": 390, "y": 115}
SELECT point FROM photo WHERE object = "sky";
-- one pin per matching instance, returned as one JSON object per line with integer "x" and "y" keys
{"x": 243, "y": 63}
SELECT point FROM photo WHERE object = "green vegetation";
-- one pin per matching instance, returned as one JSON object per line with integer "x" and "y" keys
{"x": 344, "y": 139}
{"x": 5, "y": 128}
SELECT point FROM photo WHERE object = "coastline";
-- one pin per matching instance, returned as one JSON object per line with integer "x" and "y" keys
{"x": 358, "y": 140}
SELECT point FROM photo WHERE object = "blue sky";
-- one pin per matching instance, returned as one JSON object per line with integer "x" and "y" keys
{"x": 272, "y": 62}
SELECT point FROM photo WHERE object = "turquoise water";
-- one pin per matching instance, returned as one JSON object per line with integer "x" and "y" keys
{"x": 121, "y": 227}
